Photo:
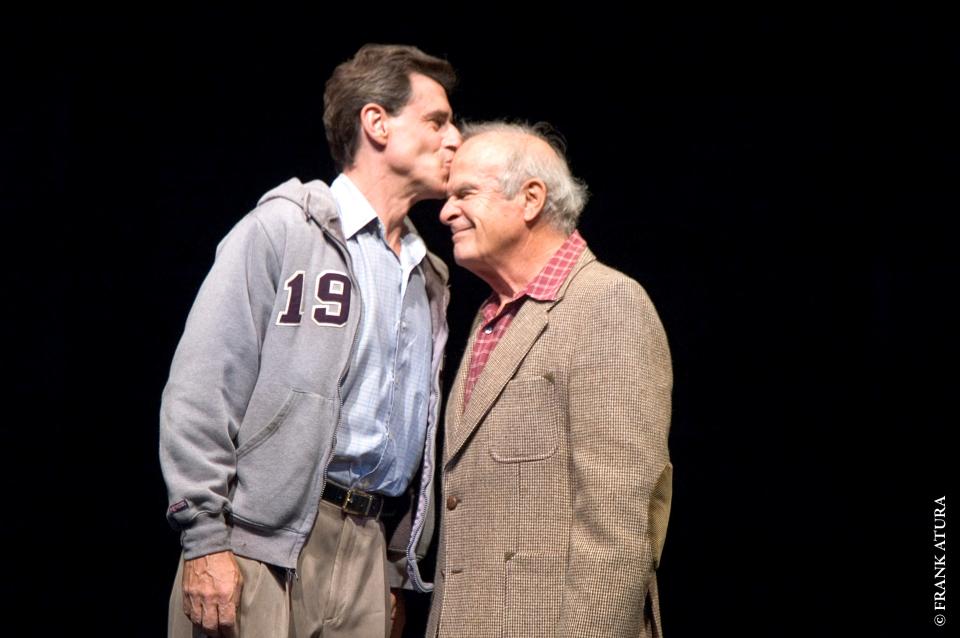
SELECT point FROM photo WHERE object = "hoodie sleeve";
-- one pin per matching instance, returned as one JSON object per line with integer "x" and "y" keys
{"x": 212, "y": 377}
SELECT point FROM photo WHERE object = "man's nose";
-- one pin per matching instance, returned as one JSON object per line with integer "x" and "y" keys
{"x": 454, "y": 139}
{"x": 448, "y": 212}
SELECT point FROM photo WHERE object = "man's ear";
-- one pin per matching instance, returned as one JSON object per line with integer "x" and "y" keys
{"x": 374, "y": 121}
{"x": 534, "y": 193}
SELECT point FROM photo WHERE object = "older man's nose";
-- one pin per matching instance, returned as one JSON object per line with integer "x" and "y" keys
{"x": 448, "y": 212}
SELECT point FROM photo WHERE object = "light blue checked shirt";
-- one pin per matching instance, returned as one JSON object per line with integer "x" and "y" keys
{"x": 387, "y": 389}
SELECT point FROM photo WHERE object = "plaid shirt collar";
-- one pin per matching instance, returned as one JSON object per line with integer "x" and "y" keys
{"x": 496, "y": 319}
{"x": 546, "y": 284}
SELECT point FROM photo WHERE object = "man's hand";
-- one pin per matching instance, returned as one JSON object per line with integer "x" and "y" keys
{"x": 211, "y": 593}
{"x": 398, "y": 612}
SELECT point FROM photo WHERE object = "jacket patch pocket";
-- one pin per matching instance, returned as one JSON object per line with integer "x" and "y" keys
{"x": 525, "y": 420}
{"x": 279, "y": 465}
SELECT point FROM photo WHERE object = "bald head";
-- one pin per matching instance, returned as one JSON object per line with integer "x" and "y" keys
{"x": 520, "y": 152}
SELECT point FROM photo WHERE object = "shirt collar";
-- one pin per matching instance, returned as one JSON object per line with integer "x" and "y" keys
{"x": 546, "y": 284}
{"x": 355, "y": 211}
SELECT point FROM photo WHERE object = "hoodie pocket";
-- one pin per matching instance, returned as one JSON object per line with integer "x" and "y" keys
{"x": 278, "y": 466}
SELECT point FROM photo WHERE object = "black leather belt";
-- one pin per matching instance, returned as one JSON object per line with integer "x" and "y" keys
{"x": 360, "y": 503}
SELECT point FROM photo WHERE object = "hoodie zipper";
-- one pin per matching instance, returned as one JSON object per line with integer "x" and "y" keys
{"x": 353, "y": 346}
{"x": 417, "y": 530}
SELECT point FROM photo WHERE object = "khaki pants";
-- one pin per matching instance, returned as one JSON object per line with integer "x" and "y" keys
{"x": 341, "y": 590}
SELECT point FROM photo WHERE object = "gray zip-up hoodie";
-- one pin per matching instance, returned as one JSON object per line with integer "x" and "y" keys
{"x": 249, "y": 416}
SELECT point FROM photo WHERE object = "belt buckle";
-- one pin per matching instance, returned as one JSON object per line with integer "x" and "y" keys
{"x": 355, "y": 505}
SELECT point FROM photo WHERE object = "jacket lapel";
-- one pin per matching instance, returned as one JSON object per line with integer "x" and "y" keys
{"x": 454, "y": 414}
{"x": 523, "y": 332}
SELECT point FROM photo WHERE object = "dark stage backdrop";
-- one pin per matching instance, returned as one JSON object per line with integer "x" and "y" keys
{"x": 783, "y": 187}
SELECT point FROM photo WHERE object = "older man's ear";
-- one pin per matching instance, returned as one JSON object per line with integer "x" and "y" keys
{"x": 534, "y": 198}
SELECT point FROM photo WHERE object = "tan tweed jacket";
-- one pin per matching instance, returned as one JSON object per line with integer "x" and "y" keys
{"x": 557, "y": 477}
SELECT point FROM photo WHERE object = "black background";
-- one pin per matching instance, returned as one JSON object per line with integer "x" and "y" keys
{"x": 783, "y": 187}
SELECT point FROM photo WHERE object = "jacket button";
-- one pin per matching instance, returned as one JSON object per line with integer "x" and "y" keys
{"x": 452, "y": 502}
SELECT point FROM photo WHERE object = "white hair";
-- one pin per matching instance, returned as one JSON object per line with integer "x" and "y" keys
{"x": 566, "y": 195}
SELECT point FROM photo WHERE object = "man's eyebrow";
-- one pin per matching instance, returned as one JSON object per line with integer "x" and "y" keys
{"x": 461, "y": 188}
{"x": 438, "y": 114}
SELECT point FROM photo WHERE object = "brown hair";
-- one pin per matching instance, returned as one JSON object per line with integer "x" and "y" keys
{"x": 377, "y": 73}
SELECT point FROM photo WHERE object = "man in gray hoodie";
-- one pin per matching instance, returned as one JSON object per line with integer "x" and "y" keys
{"x": 298, "y": 424}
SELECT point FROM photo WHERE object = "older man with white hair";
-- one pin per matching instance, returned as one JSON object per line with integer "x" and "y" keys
{"x": 556, "y": 473}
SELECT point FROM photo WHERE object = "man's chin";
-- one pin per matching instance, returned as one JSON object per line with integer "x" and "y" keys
{"x": 463, "y": 258}
{"x": 434, "y": 191}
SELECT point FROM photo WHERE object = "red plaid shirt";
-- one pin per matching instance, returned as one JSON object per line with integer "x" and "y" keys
{"x": 544, "y": 287}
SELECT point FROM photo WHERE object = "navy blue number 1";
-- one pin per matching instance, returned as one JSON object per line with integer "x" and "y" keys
{"x": 292, "y": 315}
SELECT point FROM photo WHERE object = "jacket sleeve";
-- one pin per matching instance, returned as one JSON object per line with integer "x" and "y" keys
{"x": 213, "y": 374}
{"x": 619, "y": 406}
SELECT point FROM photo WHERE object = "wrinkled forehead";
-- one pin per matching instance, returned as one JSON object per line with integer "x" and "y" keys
{"x": 474, "y": 172}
